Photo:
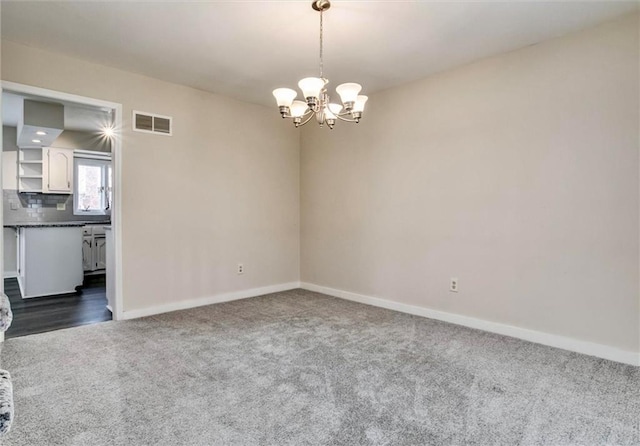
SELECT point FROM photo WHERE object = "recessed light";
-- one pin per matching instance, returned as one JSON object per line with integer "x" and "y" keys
{"x": 35, "y": 140}
{"x": 109, "y": 132}
{"x": 41, "y": 133}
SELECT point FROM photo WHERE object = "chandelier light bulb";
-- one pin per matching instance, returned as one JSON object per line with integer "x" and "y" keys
{"x": 298, "y": 109}
{"x": 335, "y": 108}
{"x": 359, "y": 105}
{"x": 311, "y": 87}
{"x": 348, "y": 93}
{"x": 284, "y": 96}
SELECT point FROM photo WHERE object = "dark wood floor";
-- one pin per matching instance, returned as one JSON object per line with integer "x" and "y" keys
{"x": 41, "y": 314}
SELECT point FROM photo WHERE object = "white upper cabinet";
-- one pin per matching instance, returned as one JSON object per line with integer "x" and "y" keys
{"x": 58, "y": 171}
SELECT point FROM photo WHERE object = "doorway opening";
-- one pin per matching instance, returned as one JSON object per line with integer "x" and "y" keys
{"x": 61, "y": 216}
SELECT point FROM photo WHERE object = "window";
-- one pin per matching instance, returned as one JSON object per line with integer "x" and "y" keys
{"x": 92, "y": 186}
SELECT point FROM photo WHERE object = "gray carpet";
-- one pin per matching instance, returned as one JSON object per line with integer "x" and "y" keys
{"x": 300, "y": 368}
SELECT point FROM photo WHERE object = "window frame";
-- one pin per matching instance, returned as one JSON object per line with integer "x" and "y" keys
{"x": 102, "y": 161}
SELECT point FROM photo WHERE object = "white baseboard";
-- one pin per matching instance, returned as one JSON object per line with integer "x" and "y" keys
{"x": 10, "y": 274}
{"x": 218, "y": 298}
{"x": 574, "y": 345}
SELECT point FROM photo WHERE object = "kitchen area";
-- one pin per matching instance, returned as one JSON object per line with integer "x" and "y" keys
{"x": 57, "y": 201}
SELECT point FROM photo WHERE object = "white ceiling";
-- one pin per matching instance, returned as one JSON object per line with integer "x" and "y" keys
{"x": 76, "y": 117}
{"x": 245, "y": 49}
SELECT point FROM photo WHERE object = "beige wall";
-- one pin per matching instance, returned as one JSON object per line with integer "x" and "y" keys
{"x": 10, "y": 248}
{"x": 224, "y": 189}
{"x": 517, "y": 174}
{"x": 9, "y": 158}
{"x": 9, "y": 181}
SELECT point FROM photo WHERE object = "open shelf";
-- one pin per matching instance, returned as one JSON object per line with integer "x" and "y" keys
{"x": 31, "y": 183}
{"x": 29, "y": 155}
{"x": 30, "y": 169}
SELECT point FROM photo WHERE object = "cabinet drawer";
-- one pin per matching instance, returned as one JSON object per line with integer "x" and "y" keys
{"x": 98, "y": 230}
{"x": 90, "y": 230}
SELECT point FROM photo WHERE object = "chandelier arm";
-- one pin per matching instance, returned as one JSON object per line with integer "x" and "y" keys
{"x": 345, "y": 119}
{"x": 311, "y": 115}
{"x": 290, "y": 116}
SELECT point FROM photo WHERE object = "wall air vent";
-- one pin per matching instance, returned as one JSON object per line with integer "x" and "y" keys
{"x": 151, "y": 123}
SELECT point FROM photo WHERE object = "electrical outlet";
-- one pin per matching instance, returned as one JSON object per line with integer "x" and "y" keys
{"x": 453, "y": 285}
{"x": 240, "y": 268}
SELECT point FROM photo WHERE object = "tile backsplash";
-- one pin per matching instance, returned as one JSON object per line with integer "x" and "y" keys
{"x": 20, "y": 208}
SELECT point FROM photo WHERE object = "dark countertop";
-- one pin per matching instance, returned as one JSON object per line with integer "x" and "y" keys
{"x": 54, "y": 224}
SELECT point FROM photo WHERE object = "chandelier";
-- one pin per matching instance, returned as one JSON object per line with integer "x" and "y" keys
{"x": 314, "y": 92}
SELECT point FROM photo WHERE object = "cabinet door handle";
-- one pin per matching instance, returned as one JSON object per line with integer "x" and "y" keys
{"x": 69, "y": 184}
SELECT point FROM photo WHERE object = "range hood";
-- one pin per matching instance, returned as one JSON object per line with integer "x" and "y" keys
{"x": 40, "y": 123}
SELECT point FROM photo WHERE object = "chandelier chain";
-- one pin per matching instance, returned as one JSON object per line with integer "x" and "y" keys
{"x": 321, "y": 61}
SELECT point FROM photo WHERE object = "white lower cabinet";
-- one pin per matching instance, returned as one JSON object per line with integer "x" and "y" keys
{"x": 100, "y": 252}
{"x": 87, "y": 253}
{"x": 49, "y": 260}
{"x": 94, "y": 249}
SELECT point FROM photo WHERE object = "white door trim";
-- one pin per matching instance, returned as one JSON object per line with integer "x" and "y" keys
{"x": 116, "y": 214}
